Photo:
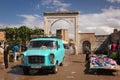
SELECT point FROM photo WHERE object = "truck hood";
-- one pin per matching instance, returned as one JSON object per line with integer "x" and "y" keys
{"x": 42, "y": 52}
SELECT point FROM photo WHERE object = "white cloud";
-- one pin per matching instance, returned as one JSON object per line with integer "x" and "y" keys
{"x": 46, "y": 2}
{"x": 37, "y": 7}
{"x": 113, "y": 1}
{"x": 32, "y": 20}
{"x": 58, "y": 5}
{"x": 9, "y": 25}
{"x": 1, "y": 25}
{"x": 100, "y": 23}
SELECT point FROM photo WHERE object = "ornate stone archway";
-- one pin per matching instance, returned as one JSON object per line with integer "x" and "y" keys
{"x": 70, "y": 16}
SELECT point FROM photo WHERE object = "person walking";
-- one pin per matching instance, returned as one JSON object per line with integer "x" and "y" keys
{"x": 6, "y": 52}
{"x": 15, "y": 50}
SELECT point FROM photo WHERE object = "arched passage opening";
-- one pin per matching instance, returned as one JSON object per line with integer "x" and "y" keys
{"x": 86, "y": 44}
{"x": 62, "y": 24}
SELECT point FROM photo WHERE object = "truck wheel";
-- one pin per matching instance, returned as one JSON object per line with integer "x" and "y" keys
{"x": 26, "y": 71}
{"x": 61, "y": 64}
{"x": 55, "y": 69}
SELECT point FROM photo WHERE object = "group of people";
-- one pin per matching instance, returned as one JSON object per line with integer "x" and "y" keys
{"x": 4, "y": 49}
{"x": 114, "y": 45}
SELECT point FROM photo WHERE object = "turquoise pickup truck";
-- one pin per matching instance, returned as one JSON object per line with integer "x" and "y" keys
{"x": 43, "y": 53}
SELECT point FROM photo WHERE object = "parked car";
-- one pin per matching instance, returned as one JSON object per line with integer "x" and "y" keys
{"x": 43, "y": 53}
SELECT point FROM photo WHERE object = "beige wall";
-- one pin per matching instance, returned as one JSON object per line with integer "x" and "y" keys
{"x": 2, "y": 36}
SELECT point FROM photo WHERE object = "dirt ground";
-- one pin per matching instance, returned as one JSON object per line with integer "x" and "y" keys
{"x": 74, "y": 68}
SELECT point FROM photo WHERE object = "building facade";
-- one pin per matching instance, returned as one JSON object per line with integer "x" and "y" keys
{"x": 2, "y": 37}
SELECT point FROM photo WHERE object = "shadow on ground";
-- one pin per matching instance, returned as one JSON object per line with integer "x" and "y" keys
{"x": 18, "y": 71}
{"x": 78, "y": 61}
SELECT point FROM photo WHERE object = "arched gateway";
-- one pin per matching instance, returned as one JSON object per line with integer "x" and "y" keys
{"x": 70, "y": 16}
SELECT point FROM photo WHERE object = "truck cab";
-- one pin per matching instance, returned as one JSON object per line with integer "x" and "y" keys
{"x": 43, "y": 53}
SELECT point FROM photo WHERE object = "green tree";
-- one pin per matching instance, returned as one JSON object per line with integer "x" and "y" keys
{"x": 24, "y": 33}
{"x": 9, "y": 33}
{"x": 37, "y": 31}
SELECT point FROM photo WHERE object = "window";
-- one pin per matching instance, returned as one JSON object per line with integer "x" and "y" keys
{"x": 43, "y": 43}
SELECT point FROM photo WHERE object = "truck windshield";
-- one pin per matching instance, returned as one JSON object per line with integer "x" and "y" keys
{"x": 43, "y": 44}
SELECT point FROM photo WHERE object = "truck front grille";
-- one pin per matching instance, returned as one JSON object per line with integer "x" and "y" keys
{"x": 36, "y": 59}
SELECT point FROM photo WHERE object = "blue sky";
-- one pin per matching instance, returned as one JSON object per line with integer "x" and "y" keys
{"x": 98, "y": 16}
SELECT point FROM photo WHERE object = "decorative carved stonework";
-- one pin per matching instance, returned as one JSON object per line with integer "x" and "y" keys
{"x": 71, "y": 20}
{"x": 49, "y": 21}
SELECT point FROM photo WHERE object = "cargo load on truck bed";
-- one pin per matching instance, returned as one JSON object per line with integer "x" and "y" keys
{"x": 103, "y": 62}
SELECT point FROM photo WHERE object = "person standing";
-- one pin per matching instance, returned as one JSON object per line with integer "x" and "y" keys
{"x": 87, "y": 65}
{"x": 118, "y": 60}
{"x": 6, "y": 52}
{"x": 15, "y": 50}
{"x": 87, "y": 52}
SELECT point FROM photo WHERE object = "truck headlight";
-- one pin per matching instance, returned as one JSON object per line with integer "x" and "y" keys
{"x": 52, "y": 58}
{"x": 22, "y": 58}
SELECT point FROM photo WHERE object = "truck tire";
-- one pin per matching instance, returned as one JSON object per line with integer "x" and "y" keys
{"x": 55, "y": 69}
{"x": 62, "y": 63}
{"x": 26, "y": 71}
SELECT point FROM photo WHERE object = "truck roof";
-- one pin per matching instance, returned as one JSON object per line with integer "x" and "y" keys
{"x": 55, "y": 39}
